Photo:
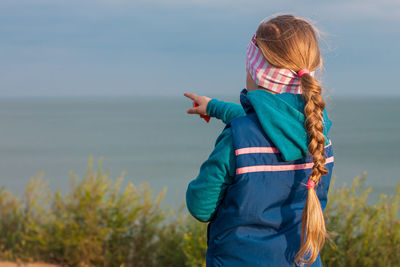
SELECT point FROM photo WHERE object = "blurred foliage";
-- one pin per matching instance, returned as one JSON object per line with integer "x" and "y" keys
{"x": 96, "y": 223}
{"x": 362, "y": 234}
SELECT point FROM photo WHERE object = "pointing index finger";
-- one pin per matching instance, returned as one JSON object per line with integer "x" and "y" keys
{"x": 191, "y": 96}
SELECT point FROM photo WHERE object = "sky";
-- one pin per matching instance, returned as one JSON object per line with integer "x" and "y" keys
{"x": 76, "y": 48}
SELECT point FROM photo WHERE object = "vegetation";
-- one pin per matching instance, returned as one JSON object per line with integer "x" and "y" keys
{"x": 362, "y": 234}
{"x": 96, "y": 223}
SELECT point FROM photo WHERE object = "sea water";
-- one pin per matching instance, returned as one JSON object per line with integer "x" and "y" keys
{"x": 155, "y": 141}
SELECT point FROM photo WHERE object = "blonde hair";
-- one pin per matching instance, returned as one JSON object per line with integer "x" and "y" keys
{"x": 291, "y": 42}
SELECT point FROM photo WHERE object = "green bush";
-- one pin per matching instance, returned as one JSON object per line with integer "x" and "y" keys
{"x": 183, "y": 242}
{"x": 96, "y": 223}
{"x": 362, "y": 234}
{"x": 93, "y": 224}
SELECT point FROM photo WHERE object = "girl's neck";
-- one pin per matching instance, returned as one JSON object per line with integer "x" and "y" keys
{"x": 251, "y": 85}
{"x": 260, "y": 87}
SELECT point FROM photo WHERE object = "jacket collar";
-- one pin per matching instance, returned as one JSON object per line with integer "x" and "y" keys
{"x": 248, "y": 108}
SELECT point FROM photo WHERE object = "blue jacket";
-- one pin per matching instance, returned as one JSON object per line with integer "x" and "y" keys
{"x": 257, "y": 214}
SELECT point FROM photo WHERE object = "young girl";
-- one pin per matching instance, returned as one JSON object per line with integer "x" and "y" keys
{"x": 264, "y": 187}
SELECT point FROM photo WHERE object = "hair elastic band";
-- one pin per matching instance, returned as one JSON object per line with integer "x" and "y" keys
{"x": 302, "y": 72}
{"x": 310, "y": 184}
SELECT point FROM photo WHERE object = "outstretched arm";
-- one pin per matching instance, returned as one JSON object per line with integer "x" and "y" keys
{"x": 225, "y": 111}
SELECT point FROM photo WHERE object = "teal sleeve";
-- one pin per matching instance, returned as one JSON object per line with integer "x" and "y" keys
{"x": 225, "y": 111}
{"x": 206, "y": 191}
{"x": 327, "y": 126}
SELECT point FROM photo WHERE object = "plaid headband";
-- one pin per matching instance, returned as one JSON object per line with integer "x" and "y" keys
{"x": 268, "y": 76}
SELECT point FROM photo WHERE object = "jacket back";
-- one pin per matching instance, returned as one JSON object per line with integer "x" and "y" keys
{"x": 258, "y": 221}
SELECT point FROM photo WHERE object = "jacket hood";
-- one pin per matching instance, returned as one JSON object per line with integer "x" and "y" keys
{"x": 282, "y": 119}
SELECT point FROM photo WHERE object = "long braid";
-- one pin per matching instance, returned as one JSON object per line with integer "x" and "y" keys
{"x": 291, "y": 42}
{"x": 313, "y": 225}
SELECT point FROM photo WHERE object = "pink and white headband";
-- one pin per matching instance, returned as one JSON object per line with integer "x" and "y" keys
{"x": 264, "y": 74}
